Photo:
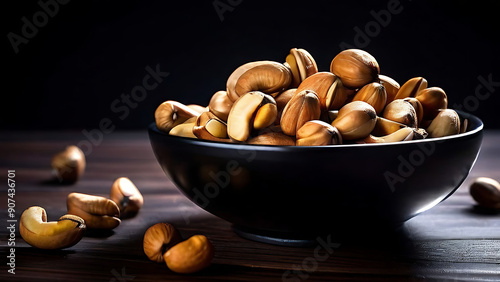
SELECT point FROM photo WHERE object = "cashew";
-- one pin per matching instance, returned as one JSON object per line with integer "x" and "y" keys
{"x": 402, "y": 134}
{"x": 184, "y": 129}
{"x": 98, "y": 212}
{"x": 209, "y": 127}
{"x": 172, "y": 113}
{"x": 37, "y": 232}
{"x": 126, "y": 195}
{"x": 265, "y": 76}
{"x": 220, "y": 105}
{"x": 158, "y": 239}
{"x": 69, "y": 165}
{"x": 192, "y": 255}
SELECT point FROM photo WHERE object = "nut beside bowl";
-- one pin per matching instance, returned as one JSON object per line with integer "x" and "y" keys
{"x": 287, "y": 194}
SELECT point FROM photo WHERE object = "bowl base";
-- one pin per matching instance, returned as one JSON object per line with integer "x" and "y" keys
{"x": 273, "y": 238}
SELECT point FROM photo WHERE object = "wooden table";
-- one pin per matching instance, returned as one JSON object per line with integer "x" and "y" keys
{"x": 454, "y": 240}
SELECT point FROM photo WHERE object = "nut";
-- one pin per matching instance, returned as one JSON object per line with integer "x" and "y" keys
{"x": 302, "y": 65}
{"x": 220, "y": 105}
{"x": 209, "y": 127}
{"x": 402, "y": 134}
{"x": 98, "y": 212}
{"x": 197, "y": 108}
{"x": 386, "y": 126}
{"x": 419, "y": 110}
{"x": 281, "y": 100}
{"x": 304, "y": 106}
{"x": 158, "y": 239}
{"x": 126, "y": 195}
{"x": 254, "y": 110}
{"x": 355, "y": 120}
{"x": 432, "y": 99}
{"x": 391, "y": 87}
{"x": 69, "y": 165}
{"x": 37, "y": 232}
{"x": 411, "y": 88}
{"x": 445, "y": 123}
{"x": 486, "y": 192}
{"x": 355, "y": 68}
{"x": 374, "y": 94}
{"x": 272, "y": 138}
{"x": 192, "y": 255}
{"x": 402, "y": 112}
{"x": 329, "y": 89}
{"x": 184, "y": 129}
{"x": 317, "y": 133}
{"x": 172, "y": 113}
{"x": 265, "y": 76}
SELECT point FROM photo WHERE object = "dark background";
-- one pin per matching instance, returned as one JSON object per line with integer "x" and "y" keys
{"x": 90, "y": 52}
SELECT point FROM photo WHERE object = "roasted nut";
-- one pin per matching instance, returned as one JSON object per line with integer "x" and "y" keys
{"x": 329, "y": 116}
{"x": 172, "y": 113}
{"x": 265, "y": 76}
{"x": 272, "y": 138}
{"x": 411, "y": 88}
{"x": 355, "y": 68}
{"x": 486, "y": 192}
{"x": 220, "y": 105}
{"x": 301, "y": 65}
{"x": 386, "y": 126}
{"x": 192, "y": 255}
{"x": 317, "y": 133}
{"x": 69, "y": 165}
{"x": 391, "y": 87}
{"x": 402, "y": 112}
{"x": 374, "y": 94}
{"x": 281, "y": 100}
{"x": 197, "y": 108}
{"x": 158, "y": 239}
{"x": 402, "y": 134}
{"x": 417, "y": 106}
{"x": 355, "y": 120}
{"x": 126, "y": 195}
{"x": 304, "y": 106}
{"x": 445, "y": 123}
{"x": 37, "y": 232}
{"x": 329, "y": 89}
{"x": 209, "y": 127}
{"x": 254, "y": 110}
{"x": 184, "y": 129}
{"x": 432, "y": 99}
{"x": 98, "y": 212}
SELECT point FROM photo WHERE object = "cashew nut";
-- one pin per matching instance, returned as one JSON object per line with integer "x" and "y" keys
{"x": 126, "y": 195}
{"x": 192, "y": 255}
{"x": 172, "y": 113}
{"x": 69, "y": 165}
{"x": 158, "y": 239}
{"x": 98, "y": 212}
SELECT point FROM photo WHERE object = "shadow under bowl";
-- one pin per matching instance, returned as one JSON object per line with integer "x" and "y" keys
{"x": 290, "y": 194}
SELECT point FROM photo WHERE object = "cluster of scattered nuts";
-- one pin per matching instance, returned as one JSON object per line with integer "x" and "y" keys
{"x": 163, "y": 243}
{"x": 271, "y": 103}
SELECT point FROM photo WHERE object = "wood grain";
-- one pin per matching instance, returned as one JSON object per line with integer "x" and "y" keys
{"x": 454, "y": 240}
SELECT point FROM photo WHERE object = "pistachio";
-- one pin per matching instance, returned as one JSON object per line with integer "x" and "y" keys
{"x": 69, "y": 165}
{"x": 98, "y": 212}
{"x": 184, "y": 129}
{"x": 304, "y": 106}
{"x": 302, "y": 65}
{"x": 329, "y": 89}
{"x": 254, "y": 110}
{"x": 272, "y": 138}
{"x": 172, "y": 113}
{"x": 386, "y": 126}
{"x": 220, "y": 105}
{"x": 374, "y": 94}
{"x": 158, "y": 239}
{"x": 192, "y": 255}
{"x": 355, "y": 68}
{"x": 402, "y": 112}
{"x": 126, "y": 195}
{"x": 419, "y": 110}
{"x": 486, "y": 192}
{"x": 209, "y": 127}
{"x": 317, "y": 133}
{"x": 402, "y": 134}
{"x": 37, "y": 232}
{"x": 391, "y": 87}
{"x": 412, "y": 87}
{"x": 355, "y": 120}
{"x": 447, "y": 122}
{"x": 265, "y": 76}
{"x": 432, "y": 99}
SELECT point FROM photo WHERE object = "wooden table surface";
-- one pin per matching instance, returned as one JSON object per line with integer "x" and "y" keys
{"x": 454, "y": 241}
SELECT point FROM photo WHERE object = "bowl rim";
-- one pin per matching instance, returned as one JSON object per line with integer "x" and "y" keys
{"x": 210, "y": 143}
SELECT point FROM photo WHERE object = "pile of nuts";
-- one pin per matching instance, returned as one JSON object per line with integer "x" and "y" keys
{"x": 292, "y": 103}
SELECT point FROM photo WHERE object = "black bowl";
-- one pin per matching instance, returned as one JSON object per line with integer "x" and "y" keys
{"x": 293, "y": 193}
